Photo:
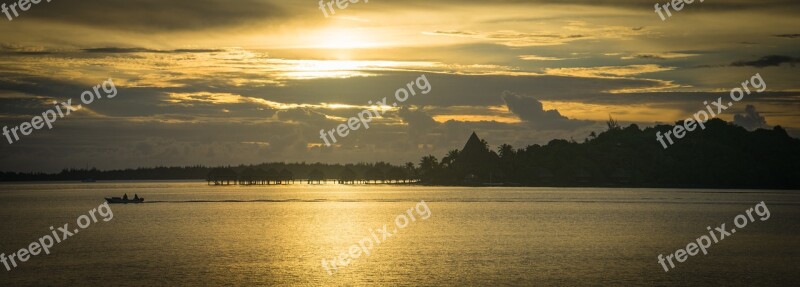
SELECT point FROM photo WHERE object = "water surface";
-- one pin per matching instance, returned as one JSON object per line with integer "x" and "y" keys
{"x": 191, "y": 234}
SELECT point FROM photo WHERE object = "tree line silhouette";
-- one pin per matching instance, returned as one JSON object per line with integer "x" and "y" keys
{"x": 265, "y": 173}
{"x": 721, "y": 156}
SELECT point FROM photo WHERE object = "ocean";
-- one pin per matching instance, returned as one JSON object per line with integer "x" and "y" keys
{"x": 190, "y": 234}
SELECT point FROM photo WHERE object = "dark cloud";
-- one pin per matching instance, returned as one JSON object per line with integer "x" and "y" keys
{"x": 724, "y": 4}
{"x": 731, "y": 4}
{"x": 418, "y": 120}
{"x": 668, "y": 56}
{"x": 183, "y": 15}
{"x": 16, "y": 49}
{"x": 767, "y": 61}
{"x": 636, "y": 4}
{"x": 26, "y": 53}
{"x": 156, "y": 15}
{"x": 454, "y": 32}
{"x": 751, "y": 119}
{"x": 649, "y": 56}
{"x": 118, "y": 50}
{"x": 21, "y": 107}
{"x": 448, "y": 90}
{"x": 791, "y": 36}
{"x": 532, "y": 112}
{"x": 302, "y": 115}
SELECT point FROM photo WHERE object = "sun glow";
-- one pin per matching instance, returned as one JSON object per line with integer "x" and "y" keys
{"x": 335, "y": 38}
{"x": 313, "y": 69}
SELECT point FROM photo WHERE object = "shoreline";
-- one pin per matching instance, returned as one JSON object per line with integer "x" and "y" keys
{"x": 333, "y": 182}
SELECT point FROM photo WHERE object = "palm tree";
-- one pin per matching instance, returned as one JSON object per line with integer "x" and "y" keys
{"x": 505, "y": 151}
{"x": 450, "y": 158}
{"x": 612, "y": 124}
{"x": 411, "y": 171}
{"x": 428, "y": 165}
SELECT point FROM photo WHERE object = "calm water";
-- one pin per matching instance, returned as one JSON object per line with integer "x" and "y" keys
{"x": 190, "y": 234}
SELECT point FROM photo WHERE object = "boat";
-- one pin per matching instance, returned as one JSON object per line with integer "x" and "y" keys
{"x": 125, "y": 201}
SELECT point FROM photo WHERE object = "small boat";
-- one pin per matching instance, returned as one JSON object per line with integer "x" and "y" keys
{"x": 126, "y": 201}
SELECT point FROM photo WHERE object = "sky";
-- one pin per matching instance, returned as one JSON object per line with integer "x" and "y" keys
{"x": 216, "y": 82}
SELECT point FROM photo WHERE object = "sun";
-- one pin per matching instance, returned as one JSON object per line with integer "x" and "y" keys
{"x": 339, "y": 38}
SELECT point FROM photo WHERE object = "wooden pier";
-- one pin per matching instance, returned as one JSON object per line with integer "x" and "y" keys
{"x": 256, "y": 176}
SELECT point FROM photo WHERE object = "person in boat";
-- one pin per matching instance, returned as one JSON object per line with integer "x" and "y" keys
{"x": 135, "y": 196}
{"x": 125, "y": 197}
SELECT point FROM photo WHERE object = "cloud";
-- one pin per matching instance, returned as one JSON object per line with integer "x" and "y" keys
{"x": 454, "y": 33}
{"x": 540, "y": 58}
{"x": 531, "y": 111}
{"x": 418, "y": 120}
{"x": 791, "y": 36}
{"x": 207, "y": 106}
{"x": 726, "y": 4}
{"x": 302, "y": 115}
{"x": 632, "y": 4}
{"x": 16, "y": 49}
{"x": 118, "y": 50}
{"x": 569, "y": 32}
{"x": 607, "y": 71}
{"x": 767, "y": 61}
{"x": 658, "y": 56}
{"x": 751, "y": 119}
{"x": 157, "y": 15}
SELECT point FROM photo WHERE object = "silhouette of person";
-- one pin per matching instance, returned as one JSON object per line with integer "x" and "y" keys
{"x": 125, "y": 197}
{"x": 136, "y": 196}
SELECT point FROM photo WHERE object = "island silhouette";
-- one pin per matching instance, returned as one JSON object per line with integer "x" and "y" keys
{"x": 721, "y": 156}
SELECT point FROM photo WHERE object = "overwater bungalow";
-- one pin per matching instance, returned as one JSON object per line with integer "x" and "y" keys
{"x": 347, "y": 176}
{"x": 316, "y": 176}
{"x": 375, "y": 174}
{"x": 222, "y": 176}
{"x": 285, "y": 176}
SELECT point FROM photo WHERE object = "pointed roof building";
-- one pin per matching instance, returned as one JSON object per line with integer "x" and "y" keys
{"x": 475, "y": 160}
{"x": 474, "y": 142}
{"x": 474, "y": 148}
